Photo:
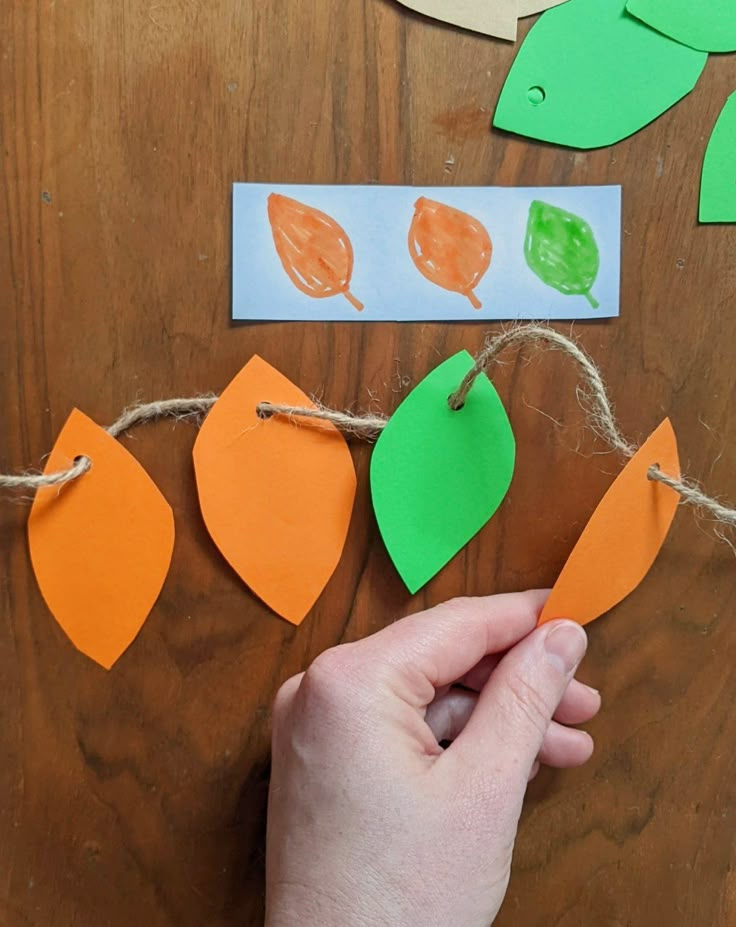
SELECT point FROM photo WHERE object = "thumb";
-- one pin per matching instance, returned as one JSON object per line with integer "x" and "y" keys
{"x": 514, "y": 710}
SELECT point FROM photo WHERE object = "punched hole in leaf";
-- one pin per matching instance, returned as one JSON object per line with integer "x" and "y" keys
{"x": 262, "y": 412}
{"x": 654, "y": 468}
{"x": 451, "y": 403}
{"x": 84, "y": 460}
{"x": 536, "y": 95}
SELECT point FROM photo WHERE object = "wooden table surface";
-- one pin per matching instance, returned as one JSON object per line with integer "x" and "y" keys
{"x": 137, "y": 796}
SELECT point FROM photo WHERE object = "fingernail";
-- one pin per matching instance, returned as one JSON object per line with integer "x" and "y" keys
{"x": 566, "y": 645}
{"x": 591, "y": 689}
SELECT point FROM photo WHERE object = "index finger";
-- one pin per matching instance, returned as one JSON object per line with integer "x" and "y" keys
{"x": 436, "y": 647}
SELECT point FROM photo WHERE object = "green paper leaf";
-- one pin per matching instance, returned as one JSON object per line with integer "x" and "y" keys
{"x": 718, "y": 184}
{"x": 708, "y": 25}
{"x": 589, "y": 74}
{"x": 561, "y": 250}
{"x": 438, "y": 475}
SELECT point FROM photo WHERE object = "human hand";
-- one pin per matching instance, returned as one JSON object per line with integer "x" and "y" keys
{"x": 370, "y": 820}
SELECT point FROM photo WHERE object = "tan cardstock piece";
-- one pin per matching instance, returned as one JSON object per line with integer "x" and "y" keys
{"x": 491, "y": 17}
{"x": 531, "y": 7}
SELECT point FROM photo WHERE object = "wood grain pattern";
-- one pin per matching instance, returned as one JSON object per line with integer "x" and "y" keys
{"x": 138, "y": 796}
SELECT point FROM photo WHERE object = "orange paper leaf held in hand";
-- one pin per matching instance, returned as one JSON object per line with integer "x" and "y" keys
{"x": 276, "y": 494}
{"x": 100, "y": 545}
{"x": 314, "y": 250}
{"x": 623, "y": 537}
{"x": 450, "y": 248}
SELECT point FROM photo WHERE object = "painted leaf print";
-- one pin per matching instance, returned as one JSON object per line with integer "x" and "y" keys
{"x": 449, "y": 247}
{"x": 561, "y": 250}
{"x": 313, "y": 248}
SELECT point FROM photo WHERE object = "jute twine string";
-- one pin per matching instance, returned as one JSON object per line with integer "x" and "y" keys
{"x": 367, "y": 426}
{"x": 592, "y": 395}
{"x": 138, "y": 414}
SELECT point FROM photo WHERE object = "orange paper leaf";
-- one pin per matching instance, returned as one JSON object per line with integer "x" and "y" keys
{"x": 276, "y": 494}
{"x": 314, "y": 250}
{"x": 450, "y": 248}
{"x": 101, "y": 545}
{"x": 623, "y": 537}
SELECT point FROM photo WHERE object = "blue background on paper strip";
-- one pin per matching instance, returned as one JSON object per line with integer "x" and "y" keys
{"x": 377, "y": 220}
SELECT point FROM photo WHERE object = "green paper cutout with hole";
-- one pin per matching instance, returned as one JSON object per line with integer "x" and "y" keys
{"x": 718, "y": 183}
{"x": 561, "y": 250}
{"x": 589, "y": 75}
{"x": 707, "y": 25}
{"x": 438, "y": 475}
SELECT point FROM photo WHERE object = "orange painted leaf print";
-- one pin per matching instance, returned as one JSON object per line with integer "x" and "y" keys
{"x": 623, "y": 537}
{"x": 449, "y": 247}
{"x": 314, "y": 250}
{"x": 101, "y": 545}
{"x": 276, "y": 494}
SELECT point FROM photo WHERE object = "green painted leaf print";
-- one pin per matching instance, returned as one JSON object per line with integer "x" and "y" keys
{"x": 561, "y": 250}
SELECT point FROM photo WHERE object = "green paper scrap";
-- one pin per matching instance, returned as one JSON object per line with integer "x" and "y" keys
{"x": 718, "y": 183}
{"x": 438, "y": 475}
{"x": 708, "y": 25}
{"x": 561, "y": 250}
{"x": 589, "y": 74}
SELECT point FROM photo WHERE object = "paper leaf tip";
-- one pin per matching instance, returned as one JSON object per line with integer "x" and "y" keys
{"x": 718, "y": 183}
{"x": 588, "y": 75}
{"x": 438, "y": 475}
{"x": 100, "y": 545}
{"x": 623, "y": 537}
{"x": 706, "y": 26}
{"x": 276, "y": 494}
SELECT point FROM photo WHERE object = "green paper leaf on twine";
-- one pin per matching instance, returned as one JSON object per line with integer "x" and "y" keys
{"x": 438, "y": 475}
{"x": 589, "y": 74}
{"x": 561, "y": 250}
{"x": 718, "y": 184}
{"x": 708, "y": 25}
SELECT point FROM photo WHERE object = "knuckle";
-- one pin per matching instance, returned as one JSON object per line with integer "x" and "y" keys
{"x": 531, "y": 613}
{"x": 529, "y": 703}
{"x": 284, "y": 696}
{"x": 327, "y": 676}
{"x": 454, "y": 609}
{"x": 458, "y": 604}
{"x": 331, "y": 662}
